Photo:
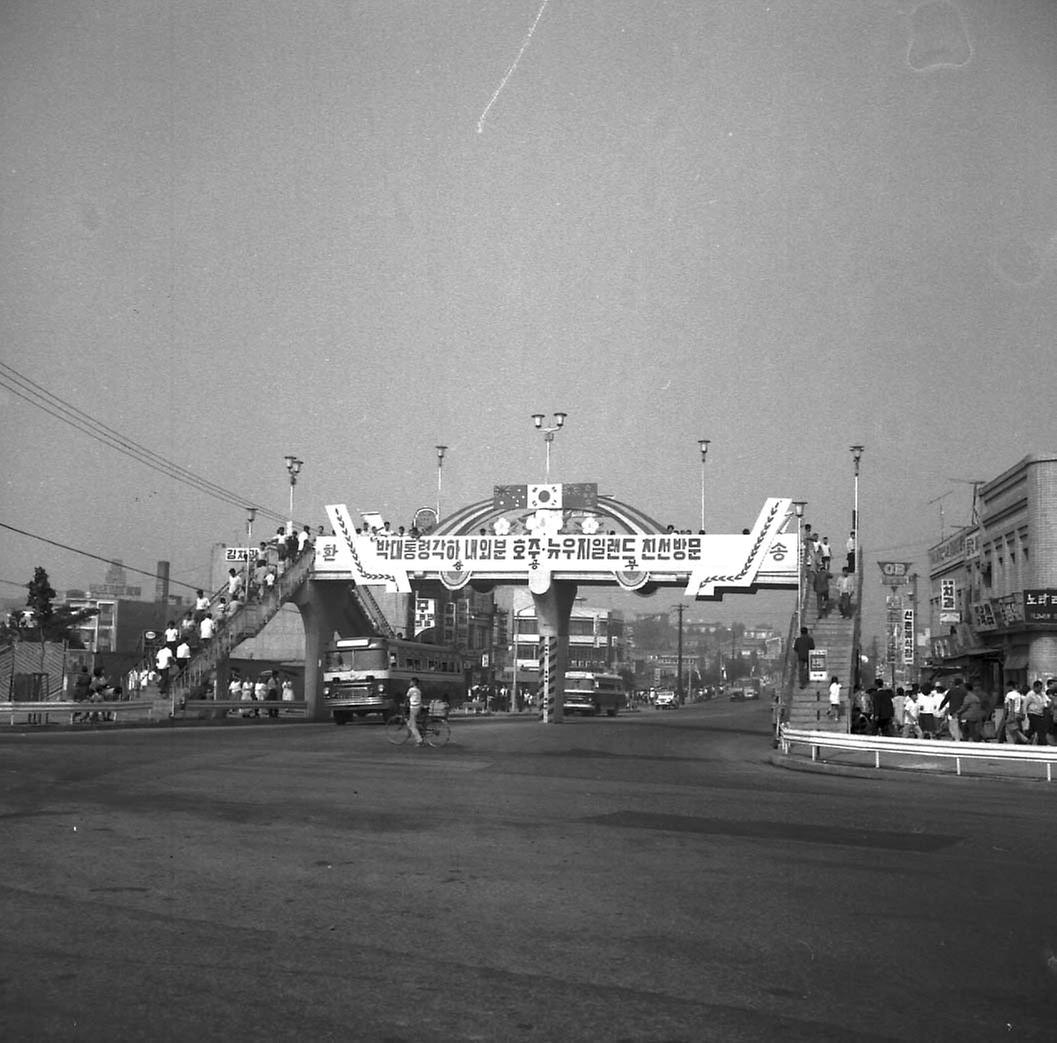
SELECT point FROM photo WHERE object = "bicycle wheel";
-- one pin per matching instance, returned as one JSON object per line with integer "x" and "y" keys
{"x": 437, "y": 732}
{"x": 396, "y": 730}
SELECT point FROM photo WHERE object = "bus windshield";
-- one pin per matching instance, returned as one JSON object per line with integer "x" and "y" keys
{"x": 360, "y": 659}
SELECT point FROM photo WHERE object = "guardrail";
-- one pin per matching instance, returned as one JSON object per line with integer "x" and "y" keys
{"x": 255, "y": 707}
{"x": 74, "y": 712}
{"x": 957, "y": 751}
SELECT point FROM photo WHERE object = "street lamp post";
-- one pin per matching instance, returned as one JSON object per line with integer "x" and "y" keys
{"x": 441, "y": 450}
{"x": 703, "y": 444}
{"x": 251, "y": 513}
{"x": 293, "y": 466}
{"x": 856, "y": 454}
{"x": 548, "y": 433}
{"x": 798, "y": 506}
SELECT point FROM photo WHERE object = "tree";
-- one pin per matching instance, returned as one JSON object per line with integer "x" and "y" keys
{"x": 51, "y": 623}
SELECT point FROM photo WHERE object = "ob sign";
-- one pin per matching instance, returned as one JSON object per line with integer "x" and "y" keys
{"x": 894, "y": 572}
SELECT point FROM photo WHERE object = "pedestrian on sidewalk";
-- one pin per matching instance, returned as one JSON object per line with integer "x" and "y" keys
{"x": 952, "y": 703}
{"x": 911, "y": 714}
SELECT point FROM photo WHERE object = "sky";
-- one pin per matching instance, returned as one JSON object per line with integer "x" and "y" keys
{"x": 349, "y": 232}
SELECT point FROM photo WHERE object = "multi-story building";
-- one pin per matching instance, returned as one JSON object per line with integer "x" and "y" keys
{"x": 993, "y": 584}
{"x": 596, "y": 640}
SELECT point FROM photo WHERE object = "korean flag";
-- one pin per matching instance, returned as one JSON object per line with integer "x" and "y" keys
{"x": 547, "y": 496}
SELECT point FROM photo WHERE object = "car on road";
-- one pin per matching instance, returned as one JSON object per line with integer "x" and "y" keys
{"x": 738, "y": 695}
{"x": 666, "y": 701}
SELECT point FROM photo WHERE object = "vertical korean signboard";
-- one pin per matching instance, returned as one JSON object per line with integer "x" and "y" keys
{"x": 908, "y": 637}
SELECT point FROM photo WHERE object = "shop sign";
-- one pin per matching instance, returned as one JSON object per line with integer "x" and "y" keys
{"x": 908, "y": 636}
{"x": 894, "y": 573}
{"x": 425, "y": 614}
{"x": 950, "y": 618}
{"x": 816, "y": 665}
{"x": 984, "y": 615}
{"x": 948, "y": 598}
{"x": 1009, "y": 610}
{"x": 954, "y": 547}
{"x": 1040, "y": 606}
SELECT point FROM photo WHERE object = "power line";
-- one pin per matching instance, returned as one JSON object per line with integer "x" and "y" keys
{"x": 50, "y": 403}
{"x": 89, "y": 554}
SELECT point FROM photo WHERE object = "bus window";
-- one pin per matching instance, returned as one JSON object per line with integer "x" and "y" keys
{"x": 370, "y": 659}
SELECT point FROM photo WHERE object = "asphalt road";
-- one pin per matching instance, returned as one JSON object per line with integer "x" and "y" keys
{"x": 650, "y": 877}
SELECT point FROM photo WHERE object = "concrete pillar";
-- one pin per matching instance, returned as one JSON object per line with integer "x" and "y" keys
{"x": 327, "y": 607}
{"x": 554, "y": 607}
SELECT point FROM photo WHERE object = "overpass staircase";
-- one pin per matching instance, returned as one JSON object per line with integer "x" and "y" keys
{"x": 251, "y": 619}
{"x": 840, "y": 637}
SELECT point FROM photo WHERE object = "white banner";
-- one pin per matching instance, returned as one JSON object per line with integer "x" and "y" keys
{"x": 763, "y": 557}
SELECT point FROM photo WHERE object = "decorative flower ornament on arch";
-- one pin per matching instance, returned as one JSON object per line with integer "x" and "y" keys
{"x": 535, "y": 535}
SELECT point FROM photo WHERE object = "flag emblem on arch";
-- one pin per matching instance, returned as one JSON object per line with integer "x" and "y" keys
{"x": 548, "y": 497}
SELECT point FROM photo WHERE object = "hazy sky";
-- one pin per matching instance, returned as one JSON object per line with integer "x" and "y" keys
{"x": 238, "y": 230}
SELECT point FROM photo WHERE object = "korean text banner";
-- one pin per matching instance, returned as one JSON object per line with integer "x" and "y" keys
{"x": 765, "y": 555}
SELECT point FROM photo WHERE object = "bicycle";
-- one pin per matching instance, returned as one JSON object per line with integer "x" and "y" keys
{"x": 434, "y": 730}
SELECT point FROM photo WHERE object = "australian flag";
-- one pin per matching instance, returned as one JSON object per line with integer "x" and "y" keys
{"x": 577, "y": 496}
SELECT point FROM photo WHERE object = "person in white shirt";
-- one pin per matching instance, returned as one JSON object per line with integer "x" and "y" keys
{"x": 164, "y": 660}
{"x": 1013, "y": 717}
{"x": 834, "y": 699}
{"x": 201, "y": 605}
{"x": 206, "y": 629}
{"x": 183, "y": 655}
{"x": 414, "y": 704}
{"x": 911, "y": 713}
{"x": 928, "y": 703}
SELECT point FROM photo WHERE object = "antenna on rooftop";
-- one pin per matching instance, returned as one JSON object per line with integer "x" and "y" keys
{"x": 974, "y": 516}
{"x": 939, "y": 499}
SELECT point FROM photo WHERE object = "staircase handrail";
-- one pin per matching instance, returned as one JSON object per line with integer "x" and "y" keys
{"x": 373, "y": 611}
{"x": 246, "y": 623}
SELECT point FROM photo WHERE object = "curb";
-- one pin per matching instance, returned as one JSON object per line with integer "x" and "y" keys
{"x": 782, "y": 760}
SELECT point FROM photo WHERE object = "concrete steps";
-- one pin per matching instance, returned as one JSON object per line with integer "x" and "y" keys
{"x": 807, "y": 706}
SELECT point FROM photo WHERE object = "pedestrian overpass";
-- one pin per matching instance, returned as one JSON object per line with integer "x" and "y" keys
{"x": 552, "y": 538}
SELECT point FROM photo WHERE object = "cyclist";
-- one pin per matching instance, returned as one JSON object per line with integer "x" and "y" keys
{"x": 414, "y": 704}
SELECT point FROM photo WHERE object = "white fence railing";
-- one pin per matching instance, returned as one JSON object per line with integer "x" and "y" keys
{"x": 73, "y": 712}
{"x": 881, "y": 744}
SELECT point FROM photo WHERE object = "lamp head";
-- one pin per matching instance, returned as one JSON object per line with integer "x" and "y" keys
{"x": 251, "y": 513}
{"x": 441, "y": 450}
{"x": 704, "y": 443}
{"x": 537, "y": 419}
{"x": 798, "y": 506}
{"x": 856, "y": 452}
{"x": 559, "y": 419}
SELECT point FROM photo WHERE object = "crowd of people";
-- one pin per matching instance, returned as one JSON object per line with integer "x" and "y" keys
{"x": 817, "y": 558}
{"x": 198, "y": 626}
{"x": 1025, "y": 714}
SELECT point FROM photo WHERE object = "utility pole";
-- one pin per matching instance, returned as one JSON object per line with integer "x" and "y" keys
{"x": 680, "y": 608}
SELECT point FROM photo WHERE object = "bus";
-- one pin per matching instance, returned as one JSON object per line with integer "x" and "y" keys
{"x": 590, "y": 693}
{"x": 371, "y": 675}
